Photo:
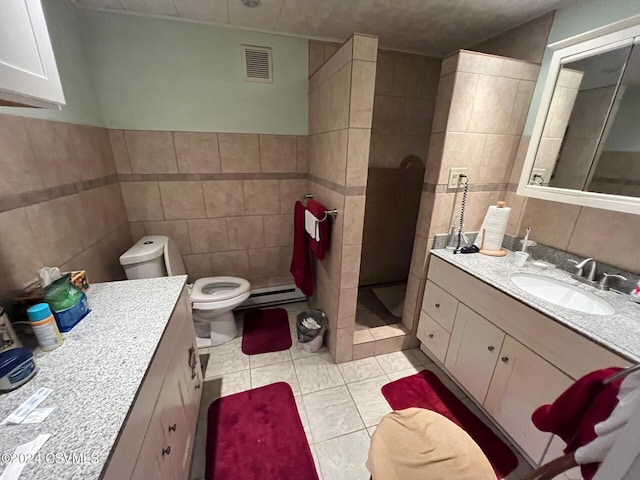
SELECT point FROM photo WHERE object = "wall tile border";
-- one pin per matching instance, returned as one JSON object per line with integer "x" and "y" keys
{"x": 180, "y": 177}
{"x": 19, "y": 200}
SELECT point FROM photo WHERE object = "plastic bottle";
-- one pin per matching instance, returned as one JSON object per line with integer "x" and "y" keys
{"x": 44, "y": 326}
{"x": 635, "y": 293}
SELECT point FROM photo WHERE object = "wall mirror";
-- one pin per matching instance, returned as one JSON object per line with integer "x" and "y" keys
{"x": 585, "y": 145}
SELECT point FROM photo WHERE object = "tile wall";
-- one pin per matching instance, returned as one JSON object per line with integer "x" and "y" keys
{"x": 60, "y": 203}
{"x": 226, "y": 199}
{"x": 480, "y": 112}
{"x": 405, "y": 93}
{"x": 341, "y": 93}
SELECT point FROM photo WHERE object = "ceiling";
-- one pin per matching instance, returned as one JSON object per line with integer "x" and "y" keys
{"x": 432, "y": 27}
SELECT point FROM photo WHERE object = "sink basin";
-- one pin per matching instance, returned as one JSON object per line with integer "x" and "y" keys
{"x": 562, "y": 294}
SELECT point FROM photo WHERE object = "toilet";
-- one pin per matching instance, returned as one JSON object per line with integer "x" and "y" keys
{"x": 212, "y": 298}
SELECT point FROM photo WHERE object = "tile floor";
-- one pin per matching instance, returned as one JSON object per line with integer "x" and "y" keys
{"x": 339, "y": 405}
{"x": 371, "y": 312}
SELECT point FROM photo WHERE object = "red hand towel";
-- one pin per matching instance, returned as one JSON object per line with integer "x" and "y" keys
{"x": 575, "y": 413}
{"x": 300, "y": 262}
{"x": 320, "y": 247}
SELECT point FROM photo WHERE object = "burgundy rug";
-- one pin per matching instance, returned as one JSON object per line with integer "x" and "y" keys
{"x": 425, "y": 390}
{"x": 257, "y": 435}
{"x": 266, "y": 331}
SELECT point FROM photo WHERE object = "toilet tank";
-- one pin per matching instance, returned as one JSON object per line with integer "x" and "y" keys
{"x": 145, "y": 259}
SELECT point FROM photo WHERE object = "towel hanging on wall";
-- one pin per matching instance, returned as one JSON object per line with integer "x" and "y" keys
{"x": 321, "y": 246}
{"x": 300, "y": 261}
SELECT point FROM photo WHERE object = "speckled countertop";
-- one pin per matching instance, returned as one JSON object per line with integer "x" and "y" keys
{"x": 95, "y": 376}
{"x": 619, "y": 332}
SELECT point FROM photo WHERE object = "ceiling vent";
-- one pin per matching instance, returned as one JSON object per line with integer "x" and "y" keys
{"x": 257, "y": 64}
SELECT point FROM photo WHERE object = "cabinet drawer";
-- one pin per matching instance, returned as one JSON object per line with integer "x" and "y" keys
{"x": 439, "y": 305}
{"x": 433, "y": 336}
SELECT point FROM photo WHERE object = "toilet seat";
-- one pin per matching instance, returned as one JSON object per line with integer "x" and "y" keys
{"x": 210, "y": 293}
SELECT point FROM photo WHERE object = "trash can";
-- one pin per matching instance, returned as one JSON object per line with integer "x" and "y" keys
{"x": 311, "y": 327}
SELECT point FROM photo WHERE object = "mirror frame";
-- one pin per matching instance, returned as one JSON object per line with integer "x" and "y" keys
{"x": 602, "y": 39}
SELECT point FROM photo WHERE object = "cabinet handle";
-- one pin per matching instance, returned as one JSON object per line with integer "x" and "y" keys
{"x": 166, "y": 451}
{"x": 197, "y": 387}
{"x": 491, "y": 348}
{"x": 173, "y": 428}
{"x": 430, "y": 335}
{"x": 505, "y": 359}
{"x": 437, "y": 305}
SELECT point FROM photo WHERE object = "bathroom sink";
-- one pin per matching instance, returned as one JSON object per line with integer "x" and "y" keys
{"x": 562, "y": 294}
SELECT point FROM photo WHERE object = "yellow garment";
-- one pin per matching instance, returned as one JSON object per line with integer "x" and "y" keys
{"x": 418, "y": 444}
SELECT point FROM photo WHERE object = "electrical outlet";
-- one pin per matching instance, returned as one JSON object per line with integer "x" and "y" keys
{"x": 454, "y": 177}
{"x": 538, "y": 176}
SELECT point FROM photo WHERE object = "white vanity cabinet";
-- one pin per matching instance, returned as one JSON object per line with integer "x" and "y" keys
{"x": 473, "y": 351}
{"x": 28, "y": 71}
{"x": 157, "y": 439}
{"x": 510, "y": 358}
{"x": 523, "y": 381}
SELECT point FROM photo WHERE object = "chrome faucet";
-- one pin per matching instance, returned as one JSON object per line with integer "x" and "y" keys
{"x": 579, "y": 274}
{"x": 591, "y": 276}
{"x": 603, "y": 284}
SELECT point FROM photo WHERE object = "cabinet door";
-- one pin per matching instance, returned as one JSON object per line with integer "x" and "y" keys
{"x": 191, "y": 384}
{"x": 153, "y": 461}
{"x": 473, "y": 351}
{"x": 28, "y": 72}
{"x": 522, "y": 382}
{"x": 176, "y": 429}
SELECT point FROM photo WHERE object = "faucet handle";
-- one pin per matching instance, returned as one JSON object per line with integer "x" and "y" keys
{"x": 579, "y": 271}
{"x": 604, "y": 281}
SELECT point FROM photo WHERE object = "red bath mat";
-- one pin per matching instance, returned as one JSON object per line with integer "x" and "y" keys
{"x": 257, "y": 435}
{"x": 266, "y": 331}
{"x": 425, "y": 390}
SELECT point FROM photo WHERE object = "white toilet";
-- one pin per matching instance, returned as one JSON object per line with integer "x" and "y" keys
{"x": 212, "y": 298}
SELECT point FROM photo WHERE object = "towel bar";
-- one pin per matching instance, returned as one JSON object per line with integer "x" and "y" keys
{"x": 327, "y": 213}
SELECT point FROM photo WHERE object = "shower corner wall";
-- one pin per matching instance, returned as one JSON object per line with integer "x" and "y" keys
{"x": 341, "y": 93}
{"x": 469, "y": 130}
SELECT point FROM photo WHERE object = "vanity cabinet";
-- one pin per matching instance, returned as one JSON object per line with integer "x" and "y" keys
{"x": 523, "y": 381}
{"x": 473, "y": 351}
{"x": 28, "y": 71}
{"x": 508, "y": 357}
{"x": 157, "y": 439}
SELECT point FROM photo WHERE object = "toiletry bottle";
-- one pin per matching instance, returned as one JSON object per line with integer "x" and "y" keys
{"x": 44, "y": 326}
{"x": 635, "y": 293}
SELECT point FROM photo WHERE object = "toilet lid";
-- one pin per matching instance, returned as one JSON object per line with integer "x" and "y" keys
{"x": 215, "y": 289}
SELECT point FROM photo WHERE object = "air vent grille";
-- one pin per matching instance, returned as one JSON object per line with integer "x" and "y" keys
{"x": 257, "y": 64}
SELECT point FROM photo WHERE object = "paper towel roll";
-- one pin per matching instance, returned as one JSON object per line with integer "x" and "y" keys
{"x": 493, "y": 227}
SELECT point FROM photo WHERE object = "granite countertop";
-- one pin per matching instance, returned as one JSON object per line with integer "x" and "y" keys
{"x": 619, "y": 332}
{"x": 95, "y": 376}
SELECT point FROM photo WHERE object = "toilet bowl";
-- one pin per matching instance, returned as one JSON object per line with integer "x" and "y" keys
{"x": 213, "y": 298}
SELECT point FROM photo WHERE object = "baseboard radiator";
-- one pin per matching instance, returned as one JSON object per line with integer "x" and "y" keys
{"x": 268, "y": 296}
